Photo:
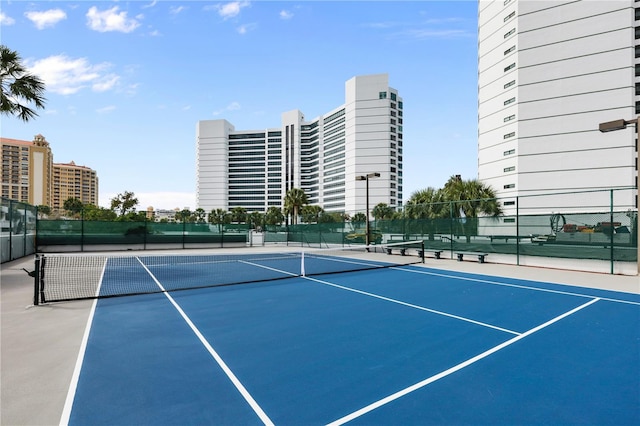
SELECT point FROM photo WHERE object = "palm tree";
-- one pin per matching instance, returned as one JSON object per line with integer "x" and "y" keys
{"x": 293, "y": 202}
{"x": 18, "y": 87}
{"x": 199, "y": 215}
{"x": 383, "y": 211}
{"x": 274, "y": 216}
{"x": 424, "y": 207}
{"x": 470, "y": 199}
{"x": 238, "y": 215}
{"x": 217, "y": 217}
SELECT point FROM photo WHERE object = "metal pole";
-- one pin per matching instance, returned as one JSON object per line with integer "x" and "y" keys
{"x": 638, "y": 211}
{"x": 612, "y": 230}
{"x": 367, "y": 238}
{"x": 517, "y": 231}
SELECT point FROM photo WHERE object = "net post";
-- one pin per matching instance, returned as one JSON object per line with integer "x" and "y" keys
{"x": 36, "y": 282}
{"x": 302, "y": 272}
{"x": 422, "y": 251}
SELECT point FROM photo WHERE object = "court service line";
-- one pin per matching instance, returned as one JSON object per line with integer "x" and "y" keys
{"x": 422, "y": 308}
{"x": 269, "y": 268}
{"x": 236, "y": 382}
{"x": 455, "y": 368}
{"x": 525, "y": 287}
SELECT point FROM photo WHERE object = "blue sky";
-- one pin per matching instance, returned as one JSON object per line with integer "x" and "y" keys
{"x": 127, "y": 81}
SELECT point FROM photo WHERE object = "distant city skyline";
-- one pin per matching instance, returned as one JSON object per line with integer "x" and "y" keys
{"x": 126, "y": 100}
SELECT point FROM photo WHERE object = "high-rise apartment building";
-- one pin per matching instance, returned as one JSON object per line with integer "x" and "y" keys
{"x": 254, "y": 169}
{"x": 73, "y": 181}
{"x": 29, "y": 175}
{"x": 27, "y": 168}
{"x": 548, "y": 73}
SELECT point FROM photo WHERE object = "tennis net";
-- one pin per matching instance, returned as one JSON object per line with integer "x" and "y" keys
{"x": 62, "y": 277}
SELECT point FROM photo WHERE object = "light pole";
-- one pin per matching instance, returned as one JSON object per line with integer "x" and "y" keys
{"x": 611, "y": 126}
{"x": 366, "y": 178}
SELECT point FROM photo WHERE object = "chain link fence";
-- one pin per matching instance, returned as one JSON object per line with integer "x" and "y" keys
{"x": 590, "y": 225}
{"x": 18, "y": 229}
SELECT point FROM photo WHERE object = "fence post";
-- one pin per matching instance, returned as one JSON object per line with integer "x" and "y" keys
{"x": 612, "y": 230}
{"x": 517, "y": 230}
{"x": 82, "y": 229}
{"x": 10, "y": 230}
{"x": 451, "y": 225}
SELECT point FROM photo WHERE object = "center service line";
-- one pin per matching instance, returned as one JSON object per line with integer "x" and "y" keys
{"x": 243, "y": 391}
{"x": 455, "y": 368}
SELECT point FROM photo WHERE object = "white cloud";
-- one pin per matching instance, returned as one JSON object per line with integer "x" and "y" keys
{"x": 243, "y": 29}
{"x": 175, "y": 10}
{"x": 230, "y": 10}
{"x": 67, "y": 76}
{"x": 153, "y": 3}
{"x": 285, "y": 14}
{"x": 106, "y": 109}
{"x": 105, "y": 83}
{"x": 6, "y": 20}
{"x": 233, "y": 106}
{"x": 46, "y": 19}
{"x": 110, "y": 20}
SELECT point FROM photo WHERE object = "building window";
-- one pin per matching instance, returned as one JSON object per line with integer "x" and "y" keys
{"x": 509, "y": 220}
{"x": 394, "y": 97}
{"x": 509, "y": 50}
{"x": 511, "y": 15}
{"x": 637, "y": 33}
{"x": 638, "y": 107}
{"x": 509, "y": 118}
{"x": 509, "y": 152}
{"x": 509, "y": 186}
{"x": 510, "y": 67}
{"x": 400, "y": 105}
{"x": 509, "y": 84}
{"x": 509, "y": 169}
{"x": 382, "y": 95}
{"x": 510, "y": 33}
{"x": 510, "y": 101}
{"x": 637, "y": 70}
{"x": 637, "y": 14}
{"x": 509, "y": 203}
{"x": 637, "y": 51}
{"x": 509, "y": 135}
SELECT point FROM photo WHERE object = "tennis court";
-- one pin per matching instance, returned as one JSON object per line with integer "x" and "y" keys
{"x": 402, "y": 344}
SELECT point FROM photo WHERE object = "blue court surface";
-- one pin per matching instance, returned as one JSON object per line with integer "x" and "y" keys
{"x": 405, "y": 346}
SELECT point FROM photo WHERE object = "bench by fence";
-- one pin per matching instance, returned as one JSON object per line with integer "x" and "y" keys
{"x": 436, "y": 253}
{"x": 481, "y": 256}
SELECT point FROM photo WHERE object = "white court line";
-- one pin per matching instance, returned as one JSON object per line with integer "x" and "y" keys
{"x": 545, "y": 290}
{"x": 73, "y": 386}
{"x": 422, "y": 308}
{"x": 271, "y": 269}
{"x": 243, "y": 391}
{"x": 455, "y": 368}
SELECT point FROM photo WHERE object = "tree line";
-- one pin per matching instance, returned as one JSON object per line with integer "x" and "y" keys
{"x": 458, "y": 198}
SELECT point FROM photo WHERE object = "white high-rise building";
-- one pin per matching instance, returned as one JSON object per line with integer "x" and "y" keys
{"x": 254, "y": 169}
{"x": 548, "y": 73}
